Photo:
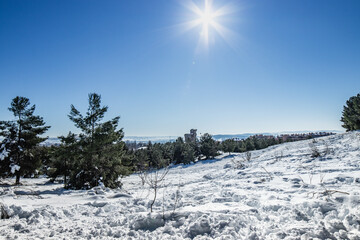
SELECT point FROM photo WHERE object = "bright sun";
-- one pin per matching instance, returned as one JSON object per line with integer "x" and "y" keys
{"x": 208, "y": 19}
{"x": 207, "y": 15}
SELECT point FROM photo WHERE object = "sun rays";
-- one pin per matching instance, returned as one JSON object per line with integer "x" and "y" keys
{"x": 208, "y": 19}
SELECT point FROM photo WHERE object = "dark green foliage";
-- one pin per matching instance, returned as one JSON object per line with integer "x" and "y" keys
{"x": 189, "y": 153}
{"x": 100, "y": 151}
{"x": 248, "y": 144}
{"x": 168, "y": 150}
{"x": 228, "y": 145}
{"x": 184, "y": 153}
{"x": 179, "y": 152}
{"x": 156, "y": 156}
{"x": 257, "y": 142}
{"x": 43, "y": 155}
{"x": 21, "y": 136}
{"x": 196, "y": 147}
{"x": 141, "y": 160}
{"x": 63, "y": 157}
{"x": 351, "y": 114}
{"x": 208, "y": 146}
{"x": 178, "y": 156}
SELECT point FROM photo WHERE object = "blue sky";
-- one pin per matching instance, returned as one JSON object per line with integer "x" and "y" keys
{"x": 290, "y": 65}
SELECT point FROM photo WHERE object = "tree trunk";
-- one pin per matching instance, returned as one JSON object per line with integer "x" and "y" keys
{"x": 65, "y": 180}
{"x": 65, "y": 175}
{"x": 151, "y": 206}
{"x": 17, "y": 181}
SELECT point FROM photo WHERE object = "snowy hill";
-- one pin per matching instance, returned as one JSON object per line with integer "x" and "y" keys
{"x": 283, "y": 192}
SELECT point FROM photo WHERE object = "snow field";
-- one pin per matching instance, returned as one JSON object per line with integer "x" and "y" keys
{"x": 281, "y": 193}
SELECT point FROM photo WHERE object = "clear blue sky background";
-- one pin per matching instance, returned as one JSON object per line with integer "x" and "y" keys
{"x": 292, "y": 66}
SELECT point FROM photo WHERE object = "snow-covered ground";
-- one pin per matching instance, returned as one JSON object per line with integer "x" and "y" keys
{"x": 281, "y": 193}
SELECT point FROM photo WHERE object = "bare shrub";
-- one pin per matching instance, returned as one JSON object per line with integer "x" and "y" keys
{"x": 270, "y": 176}
{"x": 247, "y": 156}
{"x": 314, "y": 150}
{"x": 310, "y": 173}
{"x": 327, "y": 149}
{"x": 237, "y": 164}
{"x": 154, "y": 178}
{"x": 177, "y": 198}
{"x": 279, "y": 155}
{"x": 328, "y": 192}
{"x": 323, "y": 153}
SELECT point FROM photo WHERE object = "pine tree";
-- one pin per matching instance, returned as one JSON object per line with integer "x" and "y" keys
{"x": 189, "y": 153}
{"x": 351, "y": 114}
{"x": 228, "y": 145}
{"x": 178, "y": 155}
{"x": 63, "y": 157}
{"x": 249, "y": 144}
{"x": 208, "y": 146}
{"x": 183, "y": 152}
{"x": 168, "y": 151}
{"x": 99, "y": 159}
{"x": 156, "y": 156}
{"x": 141, "y": 159}
{"x": 21, "y": 136}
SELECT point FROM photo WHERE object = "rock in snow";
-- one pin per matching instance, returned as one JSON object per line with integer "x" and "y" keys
{"x": 296, "y": 196}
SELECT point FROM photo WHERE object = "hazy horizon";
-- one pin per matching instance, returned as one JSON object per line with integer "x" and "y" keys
{"x": 162, "y": 138}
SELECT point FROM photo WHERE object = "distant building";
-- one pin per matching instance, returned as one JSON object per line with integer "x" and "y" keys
{"x": 190, "y": 137}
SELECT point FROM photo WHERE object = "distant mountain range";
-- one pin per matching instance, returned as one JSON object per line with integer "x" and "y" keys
{"x": 218, "y": 137}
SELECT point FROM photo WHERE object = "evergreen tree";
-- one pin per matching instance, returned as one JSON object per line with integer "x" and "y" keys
{"x": 249, "y": 144}
{"x": 189, "y": 153}
{"x": 42, "y": 154}
{"x": 184, "y": 152}
{"x": 351, "y": 114}
{"x": 141, "y": 160}
{"x": 228, "y": 145}
{"x": 208, "y": 146}
{"x": 179, "y": 151}
{"x": 196, "y": 148}
{"x": 156, "y": 156}
{"x": 21, "y": 136}
{"x": 240, "y": 146}
{"x": 101, "y": 151}
{"x": 63, "y": 157}
{"x": 168, "y": 151}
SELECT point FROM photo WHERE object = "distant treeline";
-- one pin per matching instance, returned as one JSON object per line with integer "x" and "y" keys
{"x": 257, "y": 142}
{"x": 181, "y": 152}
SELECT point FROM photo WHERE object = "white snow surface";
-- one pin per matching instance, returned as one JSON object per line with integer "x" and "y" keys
{"x": 281, "y": 193}
{"x": 3, "y": 154}
{"x": 14, "y": 168}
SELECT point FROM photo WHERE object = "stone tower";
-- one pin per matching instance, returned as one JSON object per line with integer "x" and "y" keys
{"x": 190, "y": 137}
